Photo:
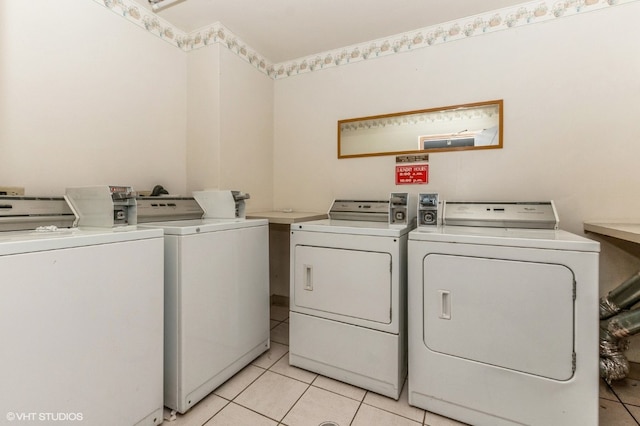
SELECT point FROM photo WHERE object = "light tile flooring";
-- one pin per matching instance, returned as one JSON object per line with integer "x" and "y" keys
{"x": 270, "y": 392}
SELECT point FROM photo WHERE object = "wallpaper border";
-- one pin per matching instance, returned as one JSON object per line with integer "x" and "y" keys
{"x": 527, "y": 13}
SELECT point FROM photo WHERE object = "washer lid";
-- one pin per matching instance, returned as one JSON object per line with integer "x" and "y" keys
{"x": 16, "y": 242}
{"x": 512, "y": 237}
{"x": 198, "y": 226}
{"x": 353, "y": 227}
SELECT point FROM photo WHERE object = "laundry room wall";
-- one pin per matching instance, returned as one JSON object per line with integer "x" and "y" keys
{"x": 246, "y": 131}
{"x": 87, "y": 98}
{"x": 203, "y": 118}
{"x": 230, "y": 126}
{"x": 570, "y": 89}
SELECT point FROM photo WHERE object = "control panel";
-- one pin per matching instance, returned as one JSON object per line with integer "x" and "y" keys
{"x": 428, "y": 209}
{"x": 501, "y": 214}
{"x": 400, "y": 209}
{"x": 164, "y": 208}
{"x": 103, "y": 206}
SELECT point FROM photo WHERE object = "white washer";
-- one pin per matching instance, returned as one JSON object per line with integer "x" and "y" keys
{"x": 216, "y": 297}
{"x": 348, "y": 297}
{"x": 81, "y": 324}
{"x": 503, "y": 322}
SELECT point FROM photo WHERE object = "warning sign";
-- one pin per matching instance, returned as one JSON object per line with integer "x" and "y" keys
{"x": 412, "y": 174}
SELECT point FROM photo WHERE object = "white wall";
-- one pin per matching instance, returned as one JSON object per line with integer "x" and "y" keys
{"x": 230, "y": 126}
{"x": 570, "y": 89}
{"x": 246, "y": 131}
{"x": 87, "y": 98}
{"x": 203, "y": 119}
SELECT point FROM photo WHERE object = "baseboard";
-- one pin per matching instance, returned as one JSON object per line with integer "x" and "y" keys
{"x": 278, "y": 300}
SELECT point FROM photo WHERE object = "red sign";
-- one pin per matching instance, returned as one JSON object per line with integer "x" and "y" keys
{"x": 414, "y": 174}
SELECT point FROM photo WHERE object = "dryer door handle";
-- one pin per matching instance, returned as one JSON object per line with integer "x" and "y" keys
{"x": 444, "y": 296}
{"x": 308, "y": 277}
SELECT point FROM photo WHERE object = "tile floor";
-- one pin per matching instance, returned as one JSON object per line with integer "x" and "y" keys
{"x": 270, "y": 392}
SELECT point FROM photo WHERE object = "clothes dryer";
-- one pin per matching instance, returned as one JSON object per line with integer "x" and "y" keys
{"x": 348, "y": 296}
{"x": 80, "y": 318}
{"x": 216, "y": 281}
{"x": 503, "y": 317}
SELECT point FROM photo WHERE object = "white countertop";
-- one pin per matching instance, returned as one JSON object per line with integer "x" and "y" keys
{"x": 623, "y": 231}
{"x": 286, "y": 217}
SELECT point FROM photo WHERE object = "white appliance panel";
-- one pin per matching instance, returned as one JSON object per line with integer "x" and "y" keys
{"x": 363, "y": 344}
{"x": 483, "y": 394}
{"x": 361, "y": 244}
{"x": 512, "y": 314}
{"x": 82, "y": 330}
{"x": 371, "y": 359}
{"x": 217, "y": 309}
{"x": 362, "y": 279}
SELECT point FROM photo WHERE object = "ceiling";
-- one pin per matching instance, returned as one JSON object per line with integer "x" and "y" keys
{"x": 283, "y": 30}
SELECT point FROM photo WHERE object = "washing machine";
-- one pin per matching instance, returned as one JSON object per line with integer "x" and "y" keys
{"x": 503, "y": 317}
{"x": 80, "y": 318}
{"x": 348, "y": 294}
{"x": 216, "y": 282}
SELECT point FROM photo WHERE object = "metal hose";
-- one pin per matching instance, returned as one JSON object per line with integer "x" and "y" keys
{"x": 613, "y": 364}
{"x": 625, "y": 324}
{"x": 622, "y": 297}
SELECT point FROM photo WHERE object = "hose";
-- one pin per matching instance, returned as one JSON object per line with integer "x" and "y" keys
{"x": 616, "y": 326}
{"x": 622, "y": 297}
{"x": 613, "y": 364}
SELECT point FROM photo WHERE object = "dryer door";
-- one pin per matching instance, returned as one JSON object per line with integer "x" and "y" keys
{"x": 346, "y": 282}
{"x": 513, "y": 314}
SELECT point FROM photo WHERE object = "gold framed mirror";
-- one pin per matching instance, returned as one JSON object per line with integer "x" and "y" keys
{"x": 451, "y": 128}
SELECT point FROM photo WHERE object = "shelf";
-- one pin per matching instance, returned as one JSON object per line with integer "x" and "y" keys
{"x": 622, "y": 231}
{"x": 282, "y": 217}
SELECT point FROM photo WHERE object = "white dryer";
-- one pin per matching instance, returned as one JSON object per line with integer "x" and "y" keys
{"x": 216, "y": 280}
{"x": 80, "y": 318}
{"x": 503, "y": 317}
{"x": 348, "y": 296}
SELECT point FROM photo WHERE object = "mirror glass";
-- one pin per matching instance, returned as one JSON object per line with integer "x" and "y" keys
{"x": 452, "y": 128}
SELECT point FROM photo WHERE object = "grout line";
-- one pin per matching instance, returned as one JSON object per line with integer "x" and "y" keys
{"x": 613, "y": 391}
{"x": 631, "y": 414}
{"x": 358, "y": 409}
{"x": 398, "y": 414}
{"x": 252, "y": 382}
{"x": 254, "y": 411}
{"x": 292, "y": 378}
{"x": 294, "y": 404}
{"x": 337, "y": 393}
{"x": 217, "y": 412}
{"x": 246, "y": 387}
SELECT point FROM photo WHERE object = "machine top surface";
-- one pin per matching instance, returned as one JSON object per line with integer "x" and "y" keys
{"x": 29, "y": 241}
{"x": 509, "y": 224}
{"x": 352, "y": 227}
{"x": 357, "y": 217}
{"x": 201, "y": 226}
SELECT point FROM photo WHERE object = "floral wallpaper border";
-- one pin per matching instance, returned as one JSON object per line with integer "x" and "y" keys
{"x": 531, "y": 12}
